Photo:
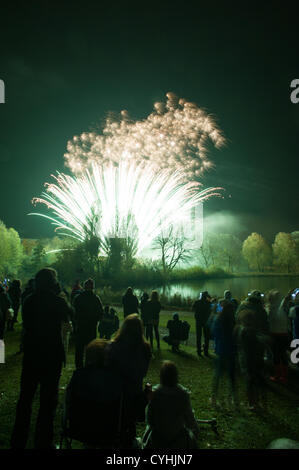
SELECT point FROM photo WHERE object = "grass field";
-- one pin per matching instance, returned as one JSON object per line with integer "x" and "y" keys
{"x": 238, "y": 430}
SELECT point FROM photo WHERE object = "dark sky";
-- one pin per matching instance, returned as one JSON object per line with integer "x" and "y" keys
{"x": 65, "y": 65}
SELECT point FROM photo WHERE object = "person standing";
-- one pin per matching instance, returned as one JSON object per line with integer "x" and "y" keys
{"x": 146, "y": 318}
{"x": 4, "y": 310}
{"x": 44, "y": 313}
{"x": 130, "y": 302}
{"x": 88, "y": 312}
{"x": 202, "y": 311}
{"x": 154, "y": 308}
{"x": 277, "y": 308}
{"x": 222, "y": 328}
{"x": 14, "y": 293}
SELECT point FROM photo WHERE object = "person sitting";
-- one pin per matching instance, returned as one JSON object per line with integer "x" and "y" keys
{"x": 109, "y": 323}
{"x": 175, "y": 328}
{"x": 170, "y": 420}
{"x": 94, "y": 396}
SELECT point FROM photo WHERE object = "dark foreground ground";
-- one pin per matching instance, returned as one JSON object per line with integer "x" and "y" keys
{"x": 238, "y": 430}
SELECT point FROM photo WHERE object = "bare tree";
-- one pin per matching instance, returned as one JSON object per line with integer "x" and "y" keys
{"x": 172, "y": 249}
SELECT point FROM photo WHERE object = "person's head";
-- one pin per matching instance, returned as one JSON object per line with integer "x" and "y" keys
{"x": 274, "y": 297}
{"x": 255, "y": 297}
{"x": 112, "y": 311}
{"x": 227, "y": 294}
{"x": 145, "y": 296}
{"x": 77, "y": 283}
{"x": 175, "y": 316}
{"x": 129, "y": 291}
{"x": 131, "y": 330}
{"x": 16, "y": 284}
{"x": 168, "y": 374}
{"x": 95, "y": 355}
{"x": 155, "y": 296}
{"x": 89, "y": 285}
{"x": 106, "y": 309}
{"x": 46, "y": 279}
{"x": 204, "y": 295}
{"x": 31, "y": 283}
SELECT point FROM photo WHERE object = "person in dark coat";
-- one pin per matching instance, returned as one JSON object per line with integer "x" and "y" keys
{"x": 29, "y": 289}
{"x": 130, "y": 302}
{"x": 88, "y": 312}
{"x": 154, "y": 308}
{"x": 174, "y": 327}
{"x": 14, "y": 294}
{"x": 4, "y": 313}
{"x": 222, "y": 328}
{"x": 171, "y": 423}
{"x": 146, "y": 317}
{"x": 76, "y": 289}
{"x": 44, "y": 313}
{"x": 202, "y": 311}
{"x": 93, "y": 398}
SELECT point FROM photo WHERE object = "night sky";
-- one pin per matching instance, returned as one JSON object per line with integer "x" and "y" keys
{"x": 65, "y": 65}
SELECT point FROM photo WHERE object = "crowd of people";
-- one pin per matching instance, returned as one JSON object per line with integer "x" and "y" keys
{"x": 113, "y": 370}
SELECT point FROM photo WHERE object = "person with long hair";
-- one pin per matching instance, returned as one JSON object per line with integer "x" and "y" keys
{"x": 154, "y": 309}
{"x": 129, "y": 354}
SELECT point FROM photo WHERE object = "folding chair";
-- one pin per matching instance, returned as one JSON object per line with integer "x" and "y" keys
{"x": 95, "y": 424}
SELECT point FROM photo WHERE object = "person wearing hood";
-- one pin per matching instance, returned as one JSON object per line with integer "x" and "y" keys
{"x": 229, "y": 298}
{"x": 130, "y": 302}
{"x": 278, "y": 309}
{"x": 251, "y": 334}
{"x": 174, "y": 327}
{"x": 202, "y": 311}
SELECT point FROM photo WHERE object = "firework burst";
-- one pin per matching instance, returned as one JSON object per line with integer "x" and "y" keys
{"x": 127, "y": 201}
{"x": 136, "y": 178}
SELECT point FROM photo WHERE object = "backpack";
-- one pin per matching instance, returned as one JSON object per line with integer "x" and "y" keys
{"x": 184, "y": 333}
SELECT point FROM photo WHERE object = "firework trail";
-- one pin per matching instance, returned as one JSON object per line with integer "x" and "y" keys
{"x": 130, "y": 200}
{"x": 137, "y": 178}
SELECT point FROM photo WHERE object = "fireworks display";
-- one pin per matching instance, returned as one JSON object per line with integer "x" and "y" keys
{"x": 174, "y": 137}
{"x": 137, "y": 178}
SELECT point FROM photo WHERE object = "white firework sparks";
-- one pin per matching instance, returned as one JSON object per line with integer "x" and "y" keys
{"x": 125, "y": 201}
{"x": 136, "y": 178}
{"x": 175, "y": 137}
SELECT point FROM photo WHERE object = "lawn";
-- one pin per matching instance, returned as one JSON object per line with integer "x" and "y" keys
{"x": 238, "y": 430}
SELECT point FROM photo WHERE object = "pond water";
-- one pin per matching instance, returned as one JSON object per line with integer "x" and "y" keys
{"x": 239, "y": 286}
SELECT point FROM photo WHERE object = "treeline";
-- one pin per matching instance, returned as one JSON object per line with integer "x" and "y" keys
{"x": 219, "y": 256}
{"x": 253, "y": 254}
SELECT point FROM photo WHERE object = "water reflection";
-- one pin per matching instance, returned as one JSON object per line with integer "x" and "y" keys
{"x": 238, "y": 286}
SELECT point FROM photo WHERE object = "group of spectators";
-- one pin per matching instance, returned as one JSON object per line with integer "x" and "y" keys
{"x": 259, "y": 327}
{"x": 115, "y": 369}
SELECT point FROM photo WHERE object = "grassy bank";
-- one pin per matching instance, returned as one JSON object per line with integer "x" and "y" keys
{"x": 238, "y": 430}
